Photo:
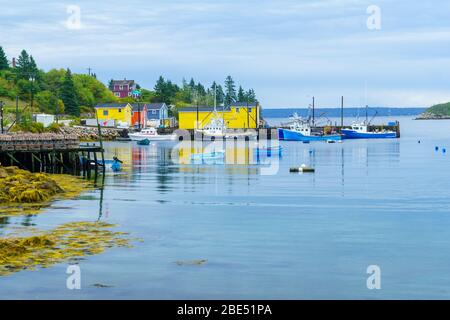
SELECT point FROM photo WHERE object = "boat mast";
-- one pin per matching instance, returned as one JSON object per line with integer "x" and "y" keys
{"x": 313, "y": 115}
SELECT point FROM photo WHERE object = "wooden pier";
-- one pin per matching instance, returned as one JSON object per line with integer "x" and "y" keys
{"x": 51, "y": 153}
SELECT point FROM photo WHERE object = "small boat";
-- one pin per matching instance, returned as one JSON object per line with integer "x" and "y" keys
{"x": 116, "y": 165}
{"x": 361, "y": 131}
{"x": 151, "y": 134}
{"x": 144, "y": 142}
{"x": 300, "y": 130}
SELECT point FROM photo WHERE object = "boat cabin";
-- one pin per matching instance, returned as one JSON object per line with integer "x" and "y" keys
{"x": 302, "y": 128}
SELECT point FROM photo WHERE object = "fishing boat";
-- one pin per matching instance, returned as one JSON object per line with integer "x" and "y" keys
{"x": 361, "y": 131}
{"x": 301, "y": 130}
{"x": 217, "y": 129}
{"x": 151, "y": 134}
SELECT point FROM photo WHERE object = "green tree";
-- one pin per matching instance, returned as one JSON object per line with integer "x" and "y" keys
{"x": 230, "y": 91}
{"x": 68, "y": 95}
{"x": 241, "y": 95}
{"x": 3, "y": 60}
{"x": 23, "y": 65}
{"x": 250, "y": 96}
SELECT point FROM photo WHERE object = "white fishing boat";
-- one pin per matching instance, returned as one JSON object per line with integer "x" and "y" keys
{"x": 216, "y": 128}
{"x": 151, "y": 134}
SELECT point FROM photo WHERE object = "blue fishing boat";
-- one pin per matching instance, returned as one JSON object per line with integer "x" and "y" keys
{"x": 361, "y": 131}
{"x": 300, "y": 130}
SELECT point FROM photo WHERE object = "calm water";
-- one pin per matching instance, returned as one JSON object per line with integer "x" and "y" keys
{"x": 294, "y": 236}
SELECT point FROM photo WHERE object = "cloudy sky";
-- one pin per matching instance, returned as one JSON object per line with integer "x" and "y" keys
{"x": 287, "y": 50}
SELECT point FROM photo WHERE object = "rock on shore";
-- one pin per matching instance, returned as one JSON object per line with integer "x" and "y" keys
{"x": 432, "y": 116}
{"x": 91, "y": 133}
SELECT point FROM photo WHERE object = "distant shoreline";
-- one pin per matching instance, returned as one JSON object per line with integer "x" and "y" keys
{"x": 348, "y": 112}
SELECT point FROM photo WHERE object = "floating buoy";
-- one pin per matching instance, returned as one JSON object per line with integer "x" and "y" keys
{"x": 436, "y": 148}
{"x": 418, "y": 141}
{"x": 302, "y": 168}
{"x": 444, "y": 150}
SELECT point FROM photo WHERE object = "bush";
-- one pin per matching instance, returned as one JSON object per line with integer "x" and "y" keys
{"x": 54, "y": 128}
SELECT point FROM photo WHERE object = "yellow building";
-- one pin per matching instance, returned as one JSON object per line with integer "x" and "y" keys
{"x": 119, "y": 112}
{"x": 237, "y": 116}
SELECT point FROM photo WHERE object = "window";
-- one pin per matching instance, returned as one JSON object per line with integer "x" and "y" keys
{"x": 249, "y": 110}
{"x": 105, "y": 112}
{"x": 129, "y": 94}
{"x": 237, "y": 110}
{"x": 120, "y": 110}
{"x": 117, "y": 94}
{"x": 153, "y": 111}
{"x": 120, "y": 87}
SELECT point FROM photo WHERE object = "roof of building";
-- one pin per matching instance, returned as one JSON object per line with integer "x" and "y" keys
{"x": 112, "y": 105}
{"x": 202, "y": 108}
{"x": 219, "y": 108}
{"x": 244, "y": 104}
{"x": 122, "y": 82}
{"x": 159, "y": 105}
{"x": 140, "y": 107}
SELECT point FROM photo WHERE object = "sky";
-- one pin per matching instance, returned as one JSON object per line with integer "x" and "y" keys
{"x": 381, "y": 53}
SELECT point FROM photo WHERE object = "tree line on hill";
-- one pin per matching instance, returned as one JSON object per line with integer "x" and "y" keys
{"x": 194, "y": 93}
{"x": 59, "y": 91}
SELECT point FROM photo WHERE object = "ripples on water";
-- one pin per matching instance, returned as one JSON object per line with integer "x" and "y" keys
{"x": 266, "y": 236}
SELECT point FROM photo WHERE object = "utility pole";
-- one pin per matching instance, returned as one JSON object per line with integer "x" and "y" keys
{"x": 17, "y": 108}
{"x": 32, "y": 79}
{"x": 1, "y": 114}
{"x": 342, "y": 112}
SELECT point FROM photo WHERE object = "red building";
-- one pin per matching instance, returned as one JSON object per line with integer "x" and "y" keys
{"x": 122, "y": 88}
{"x": 139, "y": 114}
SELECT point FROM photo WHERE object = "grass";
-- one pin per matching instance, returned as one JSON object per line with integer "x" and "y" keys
{"x": 440, "y": 109}
{"x": 10, "y": 105}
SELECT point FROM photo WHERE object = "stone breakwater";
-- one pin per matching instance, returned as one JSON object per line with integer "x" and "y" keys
{"x": 432, "y": 116}
{"x": 91, "y": 133}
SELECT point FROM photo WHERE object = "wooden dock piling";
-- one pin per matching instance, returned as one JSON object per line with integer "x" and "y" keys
{"x": 51, "y": 153}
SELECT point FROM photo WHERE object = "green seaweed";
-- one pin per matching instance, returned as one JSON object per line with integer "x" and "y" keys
{"x": 23, "y": 192}
{"x": 64, "y": 243}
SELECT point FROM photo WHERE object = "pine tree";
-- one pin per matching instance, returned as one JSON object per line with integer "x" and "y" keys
{"x": 3, "y": 60}
{"x": 68, "y": 95}
{"x": 220, "y": 95}
{"x": 192, "y": 84}
{"x": 32, "y": 67}
{"x": 251, "y": 96}
{"x": 241, "y": 95}
{"x": 160, "y": 89}
{"x": 23, "y": 65}
{"x": 230, "y": 91}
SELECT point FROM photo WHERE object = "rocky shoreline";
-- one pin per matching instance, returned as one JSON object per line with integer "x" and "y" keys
{"x": 91, "y": 133}
{"x": 432, "y": 116}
